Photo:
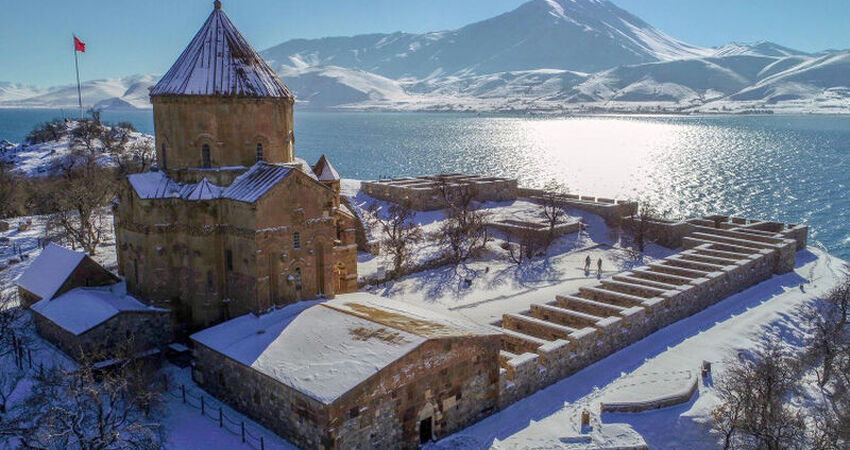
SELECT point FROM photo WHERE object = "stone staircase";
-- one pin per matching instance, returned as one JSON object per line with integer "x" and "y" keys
{"x": 553, "y": 340}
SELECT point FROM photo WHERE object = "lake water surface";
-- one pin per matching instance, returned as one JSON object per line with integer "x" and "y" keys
{"x": 787, "y": 168}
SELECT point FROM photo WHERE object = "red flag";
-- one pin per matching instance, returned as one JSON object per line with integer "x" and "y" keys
{"x": 79, "y": 45}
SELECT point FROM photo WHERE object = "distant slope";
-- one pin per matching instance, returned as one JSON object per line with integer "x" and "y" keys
{"x": 130, "y": 92}
{"x": 585, "y": 36}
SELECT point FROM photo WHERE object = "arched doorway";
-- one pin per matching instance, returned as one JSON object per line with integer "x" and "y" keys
{"x": 340, "y": 273}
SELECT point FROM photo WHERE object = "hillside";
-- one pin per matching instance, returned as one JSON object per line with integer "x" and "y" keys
{"x": 545, "y": 55}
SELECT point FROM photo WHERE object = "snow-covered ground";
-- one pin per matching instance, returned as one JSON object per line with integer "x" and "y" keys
{"x": 550, "y": 418}
{"x": 485, "y": 288}
{"x": 38, "y": 159}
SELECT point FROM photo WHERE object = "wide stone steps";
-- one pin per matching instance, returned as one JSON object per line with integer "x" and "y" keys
{"x": 678, "y": 261}
{"x": 518, "y": 343}
{"x": 635, "y": 289}
{"x": 708, "y": 259}
{"x": 610, "y": 297}
{"x": 661, "y": 277}
{"x": 588, "y": 306}
{"x": 676, "y": 270}
{"x": 536, "y": 327}
{"x": 636, "y": 279}
{"x": 564, "y": 316}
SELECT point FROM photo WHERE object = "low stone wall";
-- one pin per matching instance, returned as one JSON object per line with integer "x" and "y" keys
{"x": 672, "y": 234}
{"x": 534, "y": 229}
{"x": 611, "y": 210}
{"x": 551, "y": 341}
{"x": 429, "y": 193}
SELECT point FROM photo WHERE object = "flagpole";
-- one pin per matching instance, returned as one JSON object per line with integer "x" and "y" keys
{"x": 79, "y": 90}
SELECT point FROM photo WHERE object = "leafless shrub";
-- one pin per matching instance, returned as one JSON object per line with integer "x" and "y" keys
{"x": 465, "y": 230}
{"x": 398, "y": 234}
{"x": 639, "y": 226}
{"x": 95, "y": 409}
{"x": 523, "y": 244}
{"x": 753, "y": 410}
{"x": 553, "y": 209}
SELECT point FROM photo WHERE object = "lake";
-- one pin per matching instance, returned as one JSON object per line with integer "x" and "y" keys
{"x": 786, "y": 168}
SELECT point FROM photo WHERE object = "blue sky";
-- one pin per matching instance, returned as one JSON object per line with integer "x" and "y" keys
{"x": 145, "y": 36}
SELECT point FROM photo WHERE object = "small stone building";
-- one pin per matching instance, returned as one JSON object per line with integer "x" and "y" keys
{"x": 84, "y": 310}
{"x": 358, "y": 371}
{"x": 58, "y": 270}
{"x": 97, "y": 322}
{"x": 231, "y": 222}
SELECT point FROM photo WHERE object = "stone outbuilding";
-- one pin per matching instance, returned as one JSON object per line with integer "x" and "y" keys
{"x": 85, "y": 311}
{"x": 231, "y": 221}
{"x": 358, "y": 371}
{"x": 58, "y": 270}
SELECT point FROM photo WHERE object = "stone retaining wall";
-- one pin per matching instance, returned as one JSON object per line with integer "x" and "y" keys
{"x": 428, "y": 193}
{"x": 551, "y": 341}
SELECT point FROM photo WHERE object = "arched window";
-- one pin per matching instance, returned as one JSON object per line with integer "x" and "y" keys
{"x": 164, "y": 157}
{"x": 296, "y": 240}
{"x": 205, "y": 156}
{"x": 298, "y": 279}
{"x": 260, "y": 152}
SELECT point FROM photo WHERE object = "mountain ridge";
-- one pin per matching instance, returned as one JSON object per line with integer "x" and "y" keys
{"x": 559, "y": 55}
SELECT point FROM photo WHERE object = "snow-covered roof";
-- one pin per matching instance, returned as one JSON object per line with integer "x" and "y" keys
{"x": 220, "y": 61}
{"x": 50, "y": 270}
{"x": 251, "y": 185}
{"x": 325, "y": 349}
{"x": 82, "y": 309}
{"x": 248, "y": 187}
{"x": 324, "y": 170}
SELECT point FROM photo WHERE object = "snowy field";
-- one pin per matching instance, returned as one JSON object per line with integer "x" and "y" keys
{"x": 485, "y": 288}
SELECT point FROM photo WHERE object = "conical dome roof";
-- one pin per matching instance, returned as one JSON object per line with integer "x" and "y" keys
{"x": 220, "y": 61}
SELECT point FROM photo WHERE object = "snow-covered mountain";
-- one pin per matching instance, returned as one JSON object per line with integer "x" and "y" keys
{"x": 579, "y": 35}
{"x": 127, "y": 92}
{"x": 544, "y": 55}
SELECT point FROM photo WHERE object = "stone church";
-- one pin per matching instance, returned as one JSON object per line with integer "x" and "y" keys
{"x": 231, "y": 221}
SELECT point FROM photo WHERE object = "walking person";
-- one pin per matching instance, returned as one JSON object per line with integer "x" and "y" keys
{"x": 587, "y": 264}
{"x": 599, "y": 267}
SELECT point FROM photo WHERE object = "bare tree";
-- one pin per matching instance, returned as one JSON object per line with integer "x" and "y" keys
{"x": 398, "y": 233}
{"x": 754, "y": 392}
{"x": 13, "y": 341}
{"x": 523, "y": 244}
{"x": 640, "y": 225}
{"x": 77, "y": 198}
{"x": 92, "y": 409}
{"x": 12, "y": 191}
{"x": 465, "y": 229}
{"x": 553, "y": 209}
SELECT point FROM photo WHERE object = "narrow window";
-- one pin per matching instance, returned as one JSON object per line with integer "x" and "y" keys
{"x": 298, "y": 279}
{"x": 205, "y": 156}
{"x": 164, "y": 157}
{"x": 228, "y": 260}
{"x": 259, "y": 152}
{"x": 296, "y": 240}
{"x": 210, "y": 281}
{"x": 136, "y": 271}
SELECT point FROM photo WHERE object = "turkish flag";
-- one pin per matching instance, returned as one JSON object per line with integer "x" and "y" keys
{"x": 79, "y": 45}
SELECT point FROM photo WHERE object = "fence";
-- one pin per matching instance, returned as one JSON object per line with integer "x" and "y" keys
{"x": 214, "y": 411}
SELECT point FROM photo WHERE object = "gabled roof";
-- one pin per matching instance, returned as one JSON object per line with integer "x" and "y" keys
{"x": 324, "y": 170}
{"x": 82, "y": 309}
{"x": 220, "y": 61}
{"x": 254, "y": 183}
{"x": 248, "y": 187}
{"x": 325, "y": 349}
{"x": 50, "y": 270}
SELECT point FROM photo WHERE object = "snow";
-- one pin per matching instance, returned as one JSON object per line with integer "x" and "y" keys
{"x": 220, "y": 61}
{"x": 82, "y": 309}
{"x": 322, "y": 362}
{"x": 359, "y": 335}
{"x": 254, "y": 183}
{"x": 716, "y": 334}
{"x": 248, "y": 187}
{"x": 49, "y": 270}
